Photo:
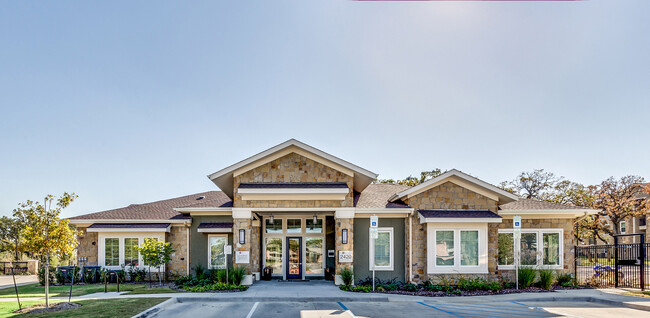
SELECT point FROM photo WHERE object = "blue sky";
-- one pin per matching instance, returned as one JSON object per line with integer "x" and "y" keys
{"x": 130, "y": 102}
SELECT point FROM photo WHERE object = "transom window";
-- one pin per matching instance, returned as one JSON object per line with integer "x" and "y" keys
{"x": 537, "y": 248}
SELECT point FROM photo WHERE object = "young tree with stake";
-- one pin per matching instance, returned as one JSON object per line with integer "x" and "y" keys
{"x": 44, "y": 232}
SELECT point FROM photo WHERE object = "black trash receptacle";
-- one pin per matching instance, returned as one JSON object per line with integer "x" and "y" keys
{"x": 267, "y": 273}
{"x": 91, "y": 274}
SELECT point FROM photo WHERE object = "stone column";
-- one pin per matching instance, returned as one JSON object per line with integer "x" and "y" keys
{"x": 242, "y": 221}
{"x": 344, "y": 220}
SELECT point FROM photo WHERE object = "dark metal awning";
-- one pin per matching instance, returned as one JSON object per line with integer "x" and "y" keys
{"x": 458, "y": 216}
{"x": 215, "y": 227}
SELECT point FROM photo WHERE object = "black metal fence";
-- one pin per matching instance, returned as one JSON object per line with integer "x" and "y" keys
{"x": 617, "y": 265}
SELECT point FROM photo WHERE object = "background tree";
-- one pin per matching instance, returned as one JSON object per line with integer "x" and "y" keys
{"x": 532, "y": 184}
{"x": 156, "y": 253}
{"x": 11, "y": 236}
{"x": 413, "y": 181}
{"x": 44, "y": 232}
{"x": 619, "y": 199}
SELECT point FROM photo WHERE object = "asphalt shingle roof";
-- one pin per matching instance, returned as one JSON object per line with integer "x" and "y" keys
{"x": 531, "y": 204}
{"x": 161, "y": 210}
{"x": 376, "y": 195}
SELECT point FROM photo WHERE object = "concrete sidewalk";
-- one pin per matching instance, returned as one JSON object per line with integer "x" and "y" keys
{"x": 7, "y": 281}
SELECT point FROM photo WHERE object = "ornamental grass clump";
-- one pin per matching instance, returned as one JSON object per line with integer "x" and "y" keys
{"x": 346, "y": 276}
{"x": 546, "y": 278}
{"x": 527, "y": 276}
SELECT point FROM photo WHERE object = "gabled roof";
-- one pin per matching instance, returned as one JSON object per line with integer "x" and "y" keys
{"x": 461, "y": 179}
{"x": 532, "y": 204}
{"x": 224, "y": 177}
{"x": 159, "y": 210}
{"x": 376, "y": 196}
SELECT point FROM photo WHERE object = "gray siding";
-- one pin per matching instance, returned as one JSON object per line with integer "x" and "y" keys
{"x": 199, "y": 241}
{"x": 361, "y": 249}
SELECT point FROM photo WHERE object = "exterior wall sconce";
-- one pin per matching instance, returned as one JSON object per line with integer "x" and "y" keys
{"x": 242, "y": 236}
{"x": 271, "y": 219}
{"x": 344, "y": 236}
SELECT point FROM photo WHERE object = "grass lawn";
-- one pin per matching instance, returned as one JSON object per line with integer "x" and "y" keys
{"x": 35, "y": 290}
{"x": 638, "y": 294}
{"x": 89, "y": 308}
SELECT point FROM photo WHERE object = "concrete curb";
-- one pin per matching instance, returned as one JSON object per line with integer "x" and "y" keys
{"x": 281, "y": 299}
{"x": 590, "y": 300}
{"x": 157, "y": 308}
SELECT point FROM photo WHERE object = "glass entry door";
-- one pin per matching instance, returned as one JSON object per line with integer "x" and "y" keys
{"x": 294, "y": 258}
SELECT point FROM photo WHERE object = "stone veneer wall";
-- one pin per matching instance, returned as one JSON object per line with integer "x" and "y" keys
{"x": 341, "y": 224}
{"x": 445, "y": 196}
{"x": 246, "y": 225}
{"x": 293, "y": 168}
{"x": 86, "y": 247}
{"x": 178, "y": 264}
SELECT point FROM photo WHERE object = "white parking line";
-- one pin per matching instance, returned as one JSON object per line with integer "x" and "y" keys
{"x": 250, "y": 313}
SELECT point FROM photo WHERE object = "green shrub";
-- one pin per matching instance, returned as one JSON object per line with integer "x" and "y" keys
{"x": 546, "y": 278}
{"x": 527, "y": 276}
{"x": 411, "y": 287}
{"x": 346, "y": 276}
{"x": 473, "y": 284}
{"x": 237, "y": 274}
{"x": 121, "y": 275}
{"x": 363, "y": 289}
{"x": 137, "y": 274}
{"x": 391, "y": 287}
{"x": 41, "y": 275}
{"x": 494, "y": 286}
{"x": 215, "y": 286}
{"x": 565, "y": 280}
{"x": 455, "y": 292}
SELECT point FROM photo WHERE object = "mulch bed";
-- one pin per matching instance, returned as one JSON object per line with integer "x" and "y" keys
{"x": 472, "y": 293}
{"x": 40, "y": 308}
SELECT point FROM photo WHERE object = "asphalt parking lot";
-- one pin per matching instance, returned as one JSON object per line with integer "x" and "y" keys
{"x": 396, "y": 309}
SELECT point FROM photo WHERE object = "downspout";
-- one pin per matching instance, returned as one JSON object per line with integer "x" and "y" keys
{"x": 410, "y": 249}
{"x": 187, "y": 260}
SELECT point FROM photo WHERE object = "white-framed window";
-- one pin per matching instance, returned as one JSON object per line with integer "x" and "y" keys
{"x": 382, "y": 250}
{"x": 538, "y": 247}
{"x": 118, "y": 248}
{"x": 623, "y": 226}
{"x": 216, "y": 250}
{"x": 112, "y": 251}
{"x": 131, "y": 255}
{"x": 457, "y": 248}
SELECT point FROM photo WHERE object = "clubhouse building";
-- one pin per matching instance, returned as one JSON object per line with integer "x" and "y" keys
{"x": 305, "y": 214}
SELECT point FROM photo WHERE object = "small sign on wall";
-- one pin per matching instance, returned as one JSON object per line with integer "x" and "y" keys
{"x": 345, "y": 256}
{"x": 331, "y": 253}
{"x": 242, "y": 257}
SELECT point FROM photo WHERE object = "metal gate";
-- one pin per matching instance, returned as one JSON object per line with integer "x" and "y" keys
{"x": 618, "y": 265}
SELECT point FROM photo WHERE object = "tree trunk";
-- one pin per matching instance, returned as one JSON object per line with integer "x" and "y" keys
{"x": 47, "y": 282}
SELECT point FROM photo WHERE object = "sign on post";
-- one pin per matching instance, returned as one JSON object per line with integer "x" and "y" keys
{"x": 227, "y": 249}
{"x": 516, "y": 227}
{"x": 374, "y": 234}
{"x": 374, "y": 221}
